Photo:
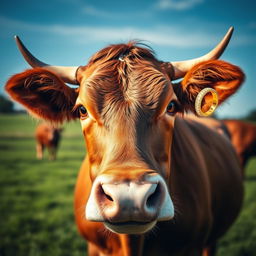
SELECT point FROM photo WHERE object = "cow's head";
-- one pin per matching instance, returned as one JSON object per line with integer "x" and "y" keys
{"x": 127, "y": 105}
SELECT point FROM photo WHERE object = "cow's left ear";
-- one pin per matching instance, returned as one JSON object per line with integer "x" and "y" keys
{"x": 222, "y": 76}
{"x": 43, "y": 94}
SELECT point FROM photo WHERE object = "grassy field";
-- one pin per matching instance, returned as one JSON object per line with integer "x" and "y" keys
{"x": 36, "y": 197}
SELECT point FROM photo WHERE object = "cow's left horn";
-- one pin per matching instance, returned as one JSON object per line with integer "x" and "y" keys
{"x": 182, "y": 67}
{"x": 67, "y": 74}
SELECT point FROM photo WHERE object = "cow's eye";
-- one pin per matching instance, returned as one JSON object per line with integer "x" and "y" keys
{"x": 172, "y": 108}
{"x": 82, "y": 112}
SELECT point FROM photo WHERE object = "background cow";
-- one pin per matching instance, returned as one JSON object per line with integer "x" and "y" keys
{"x": 47, "y": 136}
{"x": 243, "y": 137}
{"x": 147, "y": 167}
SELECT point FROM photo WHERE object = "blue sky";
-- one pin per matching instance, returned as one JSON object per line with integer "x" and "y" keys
{"x": 68, "y": 32}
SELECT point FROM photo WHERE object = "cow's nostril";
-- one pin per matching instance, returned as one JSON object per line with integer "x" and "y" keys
{"x": 154, "y": 197}
{"x": 109, "y": 197}
{"x": 105, "y": 196}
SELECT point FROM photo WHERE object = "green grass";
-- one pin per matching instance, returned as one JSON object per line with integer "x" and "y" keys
{"x": 36, "y": 197}
{"x": 241, "y": 238}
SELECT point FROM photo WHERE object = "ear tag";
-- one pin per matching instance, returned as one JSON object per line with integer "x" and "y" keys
{"x": 199, "y": 98}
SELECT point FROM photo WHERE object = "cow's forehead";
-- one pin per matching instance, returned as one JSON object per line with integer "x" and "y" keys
{"x": 118, "y": 79}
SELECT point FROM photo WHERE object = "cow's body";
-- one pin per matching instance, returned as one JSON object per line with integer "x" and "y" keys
{"x": 201, "y": 171}
{"x": 243, "y": 137}
{"x": 241, "y": 134}
{"x": 153, "y": 182}
{"x": 47, "y": 136}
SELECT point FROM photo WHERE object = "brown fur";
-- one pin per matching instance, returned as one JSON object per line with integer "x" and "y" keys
{"x": 43, "y": 94}
{"x": 242, "y": 135}
{"x": 129, "y": 135}
{"x": 109, "y": 81}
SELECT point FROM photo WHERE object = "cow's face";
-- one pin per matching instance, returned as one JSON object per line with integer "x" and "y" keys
{"x": 127, "y": 106}
{"x": 127, "y": 110}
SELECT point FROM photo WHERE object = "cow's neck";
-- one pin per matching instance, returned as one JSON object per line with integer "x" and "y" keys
{"x": 132, "y": 245}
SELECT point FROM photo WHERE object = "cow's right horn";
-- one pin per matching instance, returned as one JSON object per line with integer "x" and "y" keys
{"x": 67, "y": 74}
{"x": 180, "y": 68}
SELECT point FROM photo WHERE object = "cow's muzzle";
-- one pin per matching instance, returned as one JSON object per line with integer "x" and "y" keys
{"x": 130, "y": 207}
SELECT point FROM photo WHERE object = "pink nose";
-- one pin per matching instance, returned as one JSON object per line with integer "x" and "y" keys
{"x": 130, "y": 201}
{"x": 136, "y": 202}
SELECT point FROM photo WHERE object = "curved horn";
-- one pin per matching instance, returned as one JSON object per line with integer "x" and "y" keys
{"x": 182, "y": 67}
{"x": 67, "y": 74}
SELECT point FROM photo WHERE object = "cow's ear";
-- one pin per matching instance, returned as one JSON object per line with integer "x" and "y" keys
{"x": 43, "y": 94}
{"x": 224, "y": 77}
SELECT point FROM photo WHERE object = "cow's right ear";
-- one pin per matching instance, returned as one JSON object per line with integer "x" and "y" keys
{"x": 219, "y": 75}
{"x": 43, "y": 94}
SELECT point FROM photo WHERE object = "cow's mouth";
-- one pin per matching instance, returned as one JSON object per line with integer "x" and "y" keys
{"x": 130, "y": 227}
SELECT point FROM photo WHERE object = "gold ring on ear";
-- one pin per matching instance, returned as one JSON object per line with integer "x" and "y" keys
{"x": 199, "y": 98}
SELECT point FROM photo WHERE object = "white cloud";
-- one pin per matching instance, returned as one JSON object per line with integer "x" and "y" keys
{"x": 177, "y": 4}
{"x": 122, "y": 14}
{"x": 91, "y": 10}
{"x": 158, "y": 35}
{"x": 164, "y": 36}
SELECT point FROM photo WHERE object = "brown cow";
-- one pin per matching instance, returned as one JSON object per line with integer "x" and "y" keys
{"x": 243, "y": 137}
{"x": 147, "y": 168}
{"x": 47, "y": 136}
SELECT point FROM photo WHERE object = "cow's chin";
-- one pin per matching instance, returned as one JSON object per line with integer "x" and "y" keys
{"x": 130, "y": 227}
